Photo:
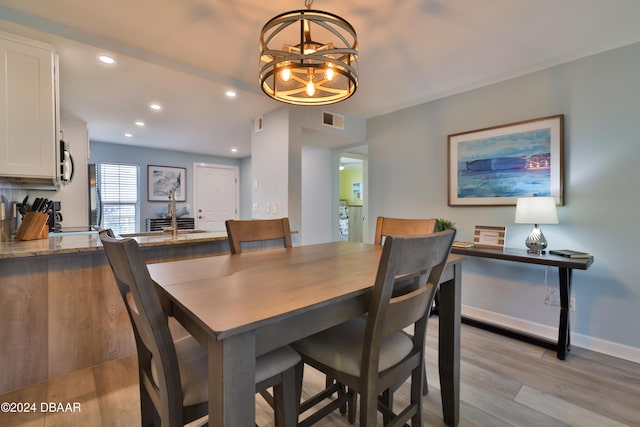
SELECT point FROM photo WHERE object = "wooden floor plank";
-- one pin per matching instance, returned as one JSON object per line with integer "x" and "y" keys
{"x": 562, "y": 410}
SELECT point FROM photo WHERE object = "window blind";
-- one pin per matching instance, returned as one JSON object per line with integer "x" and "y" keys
{"x": 120, "y": 196}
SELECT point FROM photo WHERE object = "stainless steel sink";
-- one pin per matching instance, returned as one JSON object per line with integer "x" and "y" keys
{"x": 161, "y": 233}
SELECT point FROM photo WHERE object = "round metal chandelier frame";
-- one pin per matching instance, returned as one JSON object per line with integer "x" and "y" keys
{"x": 308, "y": 72}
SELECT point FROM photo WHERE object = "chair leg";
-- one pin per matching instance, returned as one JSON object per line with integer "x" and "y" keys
{"x": 425, "y": 385}
{"x": 416, "y": 395}
{"x": 268, "y": 397}
{"x": 342, "y": 391}
{"x": 352, "y": 405}
{"x": 147, "y": 411}
{"x": 330, "y": 382}
{"x": 368, "y": 410}
{"x": 286, "y": 398}
{"x": 299, "y": 374}
{"x": 387, "y": 400}
{"x": 350, "y": 402}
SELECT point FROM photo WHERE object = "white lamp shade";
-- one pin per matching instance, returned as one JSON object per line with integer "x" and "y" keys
{"x": 536, "y": 210}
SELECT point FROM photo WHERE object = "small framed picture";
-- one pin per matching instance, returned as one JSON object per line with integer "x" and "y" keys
{"x": 489, "y": 237}
{"x": 163, "y": 178}
{"x": 356, "y": 193}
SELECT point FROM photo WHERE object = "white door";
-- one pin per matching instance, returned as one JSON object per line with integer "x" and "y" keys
{"x": 216, "y": 195}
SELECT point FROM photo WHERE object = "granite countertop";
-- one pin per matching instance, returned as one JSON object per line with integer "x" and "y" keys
{"x": 70, "y": 244}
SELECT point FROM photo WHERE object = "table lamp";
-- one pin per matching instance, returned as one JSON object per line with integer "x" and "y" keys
{"x": 536, "y": 210}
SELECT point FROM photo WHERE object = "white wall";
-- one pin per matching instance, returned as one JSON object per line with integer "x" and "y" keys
{"x": 318, "y": 180}
{"x": 269, "y": 166}
{"x": 600, "y": 98}
{"x": 306, "y": 130}
{"x": 245, "y": 188}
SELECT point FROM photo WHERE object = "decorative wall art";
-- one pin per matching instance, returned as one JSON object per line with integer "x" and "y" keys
{"x": 163, "y": 178}
{"x": 495, "y": 166}
{"x": 356, "y": 192}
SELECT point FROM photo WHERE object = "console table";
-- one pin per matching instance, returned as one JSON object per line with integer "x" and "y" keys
{"x": 565, "y": 270}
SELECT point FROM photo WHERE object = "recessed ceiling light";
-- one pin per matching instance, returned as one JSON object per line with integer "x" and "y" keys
{"x": 128, "y": 135}
{"x": 230, "y": 94}
{"x": 155, "y": 106}
{"x": 139, "y": 123}
{"x": 234, "y": 150}
{"x": 106, "y": 59}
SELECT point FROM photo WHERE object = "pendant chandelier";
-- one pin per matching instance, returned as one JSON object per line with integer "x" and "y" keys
{"x": 308, "y": 57}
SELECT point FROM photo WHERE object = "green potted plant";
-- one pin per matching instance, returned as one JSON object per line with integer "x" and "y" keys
{"x": 445, "y": 224}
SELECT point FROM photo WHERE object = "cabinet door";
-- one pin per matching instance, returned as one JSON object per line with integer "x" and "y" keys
{"x": 27, "y": 110}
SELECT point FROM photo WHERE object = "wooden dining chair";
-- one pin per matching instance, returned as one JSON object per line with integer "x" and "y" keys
{"x": 257, "y": 230}
{"x": 173, "y": 374}
{"x": 372, "y": 352}
{"x": 386, "y": 226}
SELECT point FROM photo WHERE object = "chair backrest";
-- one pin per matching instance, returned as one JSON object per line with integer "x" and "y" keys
{"x": 403, "y": 227}
{"x": 420, "y": 259}
{"x": 157, "y": 360}
{"x": 255, "y": 230}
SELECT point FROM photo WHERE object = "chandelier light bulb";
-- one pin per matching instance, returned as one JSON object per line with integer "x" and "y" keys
{"x": 311, "y": 88}
{"x": 329, "y": 73}
{"x": 285, "y": 74}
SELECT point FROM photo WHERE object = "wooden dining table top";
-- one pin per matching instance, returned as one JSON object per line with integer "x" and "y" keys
{"x": 255, "y": 287}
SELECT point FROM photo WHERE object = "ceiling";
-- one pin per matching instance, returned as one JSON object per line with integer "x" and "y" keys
{"x": 185, "y": 54}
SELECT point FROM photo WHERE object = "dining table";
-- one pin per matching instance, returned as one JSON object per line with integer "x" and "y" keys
{"x": 244, "y": 305}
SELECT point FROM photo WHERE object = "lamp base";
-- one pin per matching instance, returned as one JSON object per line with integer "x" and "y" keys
{"x": 536, "y": 242}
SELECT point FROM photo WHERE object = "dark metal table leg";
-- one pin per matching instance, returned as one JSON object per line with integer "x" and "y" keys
{"x": 449, "y": 347}
{"x": 564, "y": 329}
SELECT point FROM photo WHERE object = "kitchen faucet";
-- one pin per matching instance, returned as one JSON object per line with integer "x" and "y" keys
{"x": 172, "y": 212}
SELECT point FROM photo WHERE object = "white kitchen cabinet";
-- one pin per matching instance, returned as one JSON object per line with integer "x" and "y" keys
{"x": 28, "y": 148}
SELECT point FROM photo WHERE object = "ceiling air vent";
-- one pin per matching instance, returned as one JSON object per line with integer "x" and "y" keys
{"x": 333, "y": 120}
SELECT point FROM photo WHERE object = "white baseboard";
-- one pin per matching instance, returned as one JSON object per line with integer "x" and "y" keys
{"x": 547, "y": 332}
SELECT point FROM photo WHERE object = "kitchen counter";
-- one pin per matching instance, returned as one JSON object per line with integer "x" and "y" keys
{"x": 86, "y": 243}
{"x": 60, "y": 307}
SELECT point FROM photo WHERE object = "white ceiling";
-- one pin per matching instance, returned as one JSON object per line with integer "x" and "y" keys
{"x": 186, "y": 53}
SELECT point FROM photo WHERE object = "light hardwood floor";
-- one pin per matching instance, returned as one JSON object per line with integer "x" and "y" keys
{"x": 504, "y": 383}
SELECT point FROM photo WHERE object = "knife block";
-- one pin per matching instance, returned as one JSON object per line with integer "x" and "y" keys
{"x": 33, "y": 227}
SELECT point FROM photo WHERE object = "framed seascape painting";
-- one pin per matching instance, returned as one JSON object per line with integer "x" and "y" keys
{"x": 162, "y": 178}
{"x": 495, "y": 166}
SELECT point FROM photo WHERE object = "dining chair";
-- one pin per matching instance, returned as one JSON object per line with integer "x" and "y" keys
{"x": 257, "y": 230}
{"x": 370, "y": 353}
{"x": 173, "y": 374}
{"x": 386, "y": 226}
